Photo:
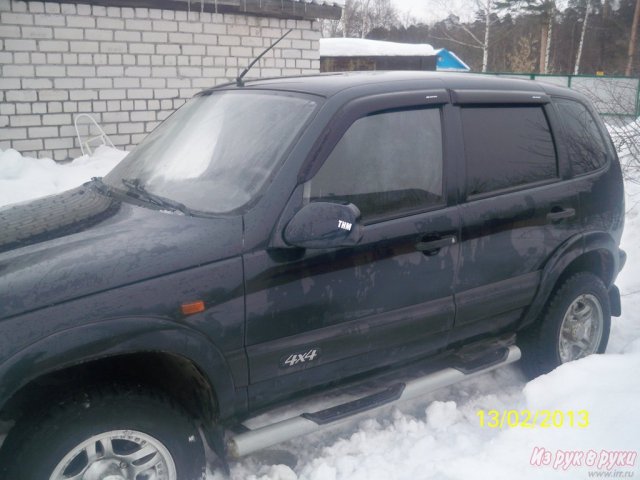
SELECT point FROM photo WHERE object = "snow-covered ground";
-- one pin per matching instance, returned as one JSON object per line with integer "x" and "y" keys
{"x": 439, "y": 436}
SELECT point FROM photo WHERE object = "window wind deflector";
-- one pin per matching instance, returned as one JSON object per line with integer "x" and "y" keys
{"x": 137, "y": 190}
{"x": 406, "y": 99}
{"x": 497, "y": 97}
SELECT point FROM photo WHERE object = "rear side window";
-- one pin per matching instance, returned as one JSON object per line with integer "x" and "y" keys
{"x": 585, "y": 145}
{"x": 384, "y": 164}
{"x": 507, "y": 147}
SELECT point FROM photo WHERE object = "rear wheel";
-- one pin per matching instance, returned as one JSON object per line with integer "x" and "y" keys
{"x": 575, "y": 324}
{"x": 122, "y": 435}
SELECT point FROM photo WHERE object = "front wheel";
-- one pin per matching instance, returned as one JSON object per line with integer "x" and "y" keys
{"x": 124, "y": 435}
{"x": 575, "y": 324}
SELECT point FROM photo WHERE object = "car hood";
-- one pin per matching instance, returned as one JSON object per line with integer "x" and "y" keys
{"x": 83, "y": 241}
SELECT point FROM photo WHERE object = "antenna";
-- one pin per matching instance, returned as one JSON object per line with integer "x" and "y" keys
{"x": 239, "y": 81}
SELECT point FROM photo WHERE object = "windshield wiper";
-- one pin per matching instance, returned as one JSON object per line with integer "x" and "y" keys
{"x": 137, "y": 190}
{"x": 102, "y": 187}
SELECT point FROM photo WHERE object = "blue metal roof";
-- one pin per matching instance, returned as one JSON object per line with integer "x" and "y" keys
{"x": 449, "y": 61}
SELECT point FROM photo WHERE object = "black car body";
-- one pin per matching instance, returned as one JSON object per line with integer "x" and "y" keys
{"x": 104, "y": 284}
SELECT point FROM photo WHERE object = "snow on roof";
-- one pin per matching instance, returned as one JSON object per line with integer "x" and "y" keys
{"x": 362, "y": 47}
{"x": 337, "y": 3}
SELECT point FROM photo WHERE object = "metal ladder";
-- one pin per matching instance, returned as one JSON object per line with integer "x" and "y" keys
{"x": 86, "y": 145}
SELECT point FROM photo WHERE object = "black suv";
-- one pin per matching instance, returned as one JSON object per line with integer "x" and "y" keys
{"x": 356, "y": 239}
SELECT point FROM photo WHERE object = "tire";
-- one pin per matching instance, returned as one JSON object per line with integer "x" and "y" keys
{"x": 547, "y": 344}
{"x": 55, "y": 445}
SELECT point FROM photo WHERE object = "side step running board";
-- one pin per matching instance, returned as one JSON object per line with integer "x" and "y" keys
{"x": 354, "y": 407}
{"x": 253, "y": 440}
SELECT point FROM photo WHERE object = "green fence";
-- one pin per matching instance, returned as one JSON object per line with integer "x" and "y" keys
{"x": 611, "y": 95}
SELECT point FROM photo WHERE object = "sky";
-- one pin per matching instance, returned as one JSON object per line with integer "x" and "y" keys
{"x": 434, "y": 10}
{"x": 430, "y": 11}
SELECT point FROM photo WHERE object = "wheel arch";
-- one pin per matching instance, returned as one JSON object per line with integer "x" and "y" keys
{"x": 167, "y": 355}
{"x": 595, "y": 252}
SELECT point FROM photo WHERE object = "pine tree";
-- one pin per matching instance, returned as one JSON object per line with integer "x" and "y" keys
{"x": 545, "y": 10}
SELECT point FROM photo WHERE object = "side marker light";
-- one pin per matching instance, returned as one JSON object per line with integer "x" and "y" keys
{"x": 192, "y": 307}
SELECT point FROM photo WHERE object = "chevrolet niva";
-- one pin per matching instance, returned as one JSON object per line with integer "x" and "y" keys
{"x": 329, "y": 243}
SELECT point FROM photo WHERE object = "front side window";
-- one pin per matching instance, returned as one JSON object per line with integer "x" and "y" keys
{"x": 384, "y": 164}
{"x": 216, "y": 153}
{"x": 507, "y": 147}
{"x": 585, "y": 146}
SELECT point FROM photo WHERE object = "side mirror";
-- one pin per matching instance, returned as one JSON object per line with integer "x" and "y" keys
{"x": 324, "y": 225}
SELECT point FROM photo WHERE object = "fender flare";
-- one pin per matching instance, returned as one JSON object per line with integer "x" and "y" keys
{"x": 121, "y": 336}
{"x": 564, "y": 255}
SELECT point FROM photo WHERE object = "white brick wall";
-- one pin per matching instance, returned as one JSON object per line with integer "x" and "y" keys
{"x": 130, "y": 68}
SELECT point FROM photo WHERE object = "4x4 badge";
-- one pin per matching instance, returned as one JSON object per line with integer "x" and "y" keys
{"x": 298, "y": 358}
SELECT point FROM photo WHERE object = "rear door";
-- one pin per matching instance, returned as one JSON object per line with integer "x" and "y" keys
{"x": 517, "y": 209}
{"x": 590, "y": 155}
{"x": 317, "y": 316}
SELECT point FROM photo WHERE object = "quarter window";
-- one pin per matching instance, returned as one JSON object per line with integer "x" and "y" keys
{"x": 507, "y": 147}
{"x": 585, "y": 146}
{"x": 384, "y": 164}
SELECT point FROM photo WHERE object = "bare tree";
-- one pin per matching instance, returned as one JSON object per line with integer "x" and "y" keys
{"x": 407, "y": 19}
{"x": 330, "y": 28}
{"x": 351, "y": 18}
{"x": 625, "y": 134}
{"x": 384, "y": 14}
{"x": 546, "y": 11}
{"x": 520, "y": 59}
{"x": 364, "y": 17}
{"x": 461, "y": 34}
{"x": 576, "y": 70}
{"x": 632, "y": 39}
{"x": 359, "y": 17}
{"x": 550, "y": 11}
{"x": 378, "y": 14}
{"x": 487, "y": 34}
{"x": 618, "y": 95}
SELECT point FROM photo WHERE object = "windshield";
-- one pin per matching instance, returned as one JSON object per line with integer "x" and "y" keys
{"x": 216, "y": 153}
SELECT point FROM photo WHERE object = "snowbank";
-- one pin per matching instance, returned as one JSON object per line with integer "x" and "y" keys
{"x": 362, "y": 47}
{"x": 623, "y": 126}
{"x": 25, "y": 178}
{"x": 625, "y": 134}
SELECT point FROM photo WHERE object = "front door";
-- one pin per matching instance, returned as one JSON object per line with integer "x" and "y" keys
{"x": 317, "y": 316}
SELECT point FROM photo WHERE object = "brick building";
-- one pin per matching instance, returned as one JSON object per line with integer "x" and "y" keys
{"x": 131, "y": 63}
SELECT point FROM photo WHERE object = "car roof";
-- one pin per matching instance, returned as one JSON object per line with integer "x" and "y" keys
{"x": 329, "y": 84}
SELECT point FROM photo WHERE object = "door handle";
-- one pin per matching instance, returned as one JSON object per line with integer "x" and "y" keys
{"x": 433, "y": 246}
{"x": 559, "y": 213}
